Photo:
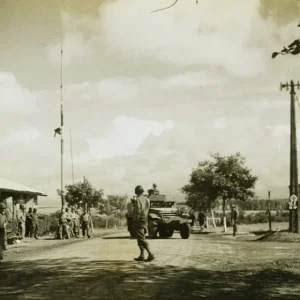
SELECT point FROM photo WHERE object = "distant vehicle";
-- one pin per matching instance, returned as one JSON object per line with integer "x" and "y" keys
{"x": 164, "y": 218}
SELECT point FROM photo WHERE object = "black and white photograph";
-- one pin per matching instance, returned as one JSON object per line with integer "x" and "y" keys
{"x": 149, "y": 149}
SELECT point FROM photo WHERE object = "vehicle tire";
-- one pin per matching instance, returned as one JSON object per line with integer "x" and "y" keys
{"x": 166, "y": 233}
{"x": 185, "y": 230}
{"x": 152, "y": 230}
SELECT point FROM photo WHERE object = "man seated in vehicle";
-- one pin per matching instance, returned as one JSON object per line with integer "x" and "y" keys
{"x": 153, "y": 191}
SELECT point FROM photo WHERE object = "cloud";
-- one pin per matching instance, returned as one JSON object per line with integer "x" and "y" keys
{"x": 75, "y": 44}
{"x": 126, "y": 136}
{"x": 187, "y": 35}
{"x": 194, "y": 80}
{"x": 219, "y": 123}
{"x": 14, "y": 98}
{"x": 23, "y": 136}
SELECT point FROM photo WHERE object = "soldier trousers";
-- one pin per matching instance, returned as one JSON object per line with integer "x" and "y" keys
{"x": 141, "y": 238}
{"x": 86, "y": 230}
{"x": 64, "y": 231}
{"x": 22, "y": 229}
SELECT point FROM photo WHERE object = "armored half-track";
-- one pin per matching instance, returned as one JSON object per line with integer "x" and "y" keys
{"x": 164, "y": 218}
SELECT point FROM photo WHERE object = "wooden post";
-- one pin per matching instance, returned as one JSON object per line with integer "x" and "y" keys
{"x": 224, "y": 215}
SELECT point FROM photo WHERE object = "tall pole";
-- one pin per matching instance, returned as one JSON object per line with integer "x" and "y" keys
{"x": 294, "y": 212}
{"x": 72, "y": 156}
{"x": 62, "y": 125}
{"x": 269, "y": 211}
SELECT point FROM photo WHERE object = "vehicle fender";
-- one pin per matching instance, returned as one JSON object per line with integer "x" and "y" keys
{"x": 154, "y": 216}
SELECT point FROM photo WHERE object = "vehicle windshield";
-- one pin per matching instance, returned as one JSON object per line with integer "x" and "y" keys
{"x": 162, "y": 204}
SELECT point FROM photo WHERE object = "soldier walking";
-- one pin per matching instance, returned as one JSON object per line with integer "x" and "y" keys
{"x": 234, "y": 219}
{"x": 140, "y": 221}
{"x": 3, "y": 222}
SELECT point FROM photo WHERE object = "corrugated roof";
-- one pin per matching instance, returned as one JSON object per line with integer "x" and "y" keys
{"x": 10, "y": 186}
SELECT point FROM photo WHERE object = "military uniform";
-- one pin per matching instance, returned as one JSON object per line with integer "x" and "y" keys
{"x": 76, "y": 224}
{"x": 3, "y": 222}
{"x": 201, "y": 218}
{"x": 69, "y": 216}
{"x": 234, "y": 219}
{"x": 63, "y": 226}
{"x": 85, "y": 220}
{"x": 21, "y": 221}
{"x": 140, "y": 220}
{"x": 35, "y": 224}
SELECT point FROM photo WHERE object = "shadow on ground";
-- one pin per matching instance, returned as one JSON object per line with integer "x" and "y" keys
{"x": 78, "y": 279}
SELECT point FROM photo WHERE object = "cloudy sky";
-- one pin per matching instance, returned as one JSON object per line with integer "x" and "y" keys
{"x": 146, "y": 96}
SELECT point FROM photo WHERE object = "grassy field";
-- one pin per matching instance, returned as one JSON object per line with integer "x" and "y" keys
{"x": 252, "y": 228}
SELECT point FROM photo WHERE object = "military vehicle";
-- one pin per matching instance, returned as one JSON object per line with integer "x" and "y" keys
{"x": 164, "y": 218}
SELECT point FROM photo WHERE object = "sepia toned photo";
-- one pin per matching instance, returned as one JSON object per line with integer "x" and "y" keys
{"x": 149, "y": 149}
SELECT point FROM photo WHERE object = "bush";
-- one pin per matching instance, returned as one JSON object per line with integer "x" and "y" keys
{"x": 100, "y": 222}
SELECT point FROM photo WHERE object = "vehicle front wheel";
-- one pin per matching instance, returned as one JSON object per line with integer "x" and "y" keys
{"x": 185, "y": 230}
{"x": 166, "y": 233}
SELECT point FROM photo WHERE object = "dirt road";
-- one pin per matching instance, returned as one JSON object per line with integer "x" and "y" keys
{"x": 204, "y": 266}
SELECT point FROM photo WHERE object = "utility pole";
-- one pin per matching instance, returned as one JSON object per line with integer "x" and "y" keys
{"x": 62, "y": 125}
{"x": 72, "y": 156}
{"x": 269, "y": 211}
{"x": 294, "y": 211}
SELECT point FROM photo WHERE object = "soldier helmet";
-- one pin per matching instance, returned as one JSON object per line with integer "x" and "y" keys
{"x": 233, "y": 206}
{"x": 139, "y": 190}
{"x": 2, "y": 205}
{"x": 154, "y": 185}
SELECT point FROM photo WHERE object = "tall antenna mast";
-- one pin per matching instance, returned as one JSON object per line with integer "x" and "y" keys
{"x": 62, "y": 124}
{"x": 72, "y": 156}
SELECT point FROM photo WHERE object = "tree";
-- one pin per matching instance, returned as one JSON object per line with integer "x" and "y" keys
{"x": 113, "y": 205}
{"x": 293, "y": 48}
{"x": 223, "y": 177}
{"x": 82, "y": 194}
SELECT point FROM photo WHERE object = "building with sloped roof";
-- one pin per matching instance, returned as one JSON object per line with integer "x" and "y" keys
{"x": 18, "y": 193}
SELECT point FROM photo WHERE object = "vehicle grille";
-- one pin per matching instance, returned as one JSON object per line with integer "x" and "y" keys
{"x": 171, "y": 214}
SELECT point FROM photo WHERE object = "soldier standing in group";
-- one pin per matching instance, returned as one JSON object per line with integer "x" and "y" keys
{"x": 63, "y": 225}
{"x": 35, "y": 224}
{"x": 21, "y": 220}
{"x": 76, "y": 223}
{"x": 140, "y": 220}
{"x": 69, "y": 217}
{"x": 3, "y": 222}
{"x": 234, "y": 218}
{"x": 85, "y": 221}
{"x": 28, "y": 223}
